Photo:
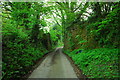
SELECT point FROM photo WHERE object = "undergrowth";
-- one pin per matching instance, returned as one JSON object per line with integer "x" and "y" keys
{"x": 19, "y": 54}
{"x": 97, "y": 63}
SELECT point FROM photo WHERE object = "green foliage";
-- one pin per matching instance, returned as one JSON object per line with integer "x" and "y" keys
{"x": 56, "y": 35}
{"x": 83, "y": 41}
{"x": 98, "y": 38}
{"x": 19, "y": 52}
{"x": 97, "y": 63}
{"x": 25, "y": 39}
{"x": 43, "y": 23}
{"x": 107, "y": 30}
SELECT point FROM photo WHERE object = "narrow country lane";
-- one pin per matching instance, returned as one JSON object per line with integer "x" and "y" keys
{"x": 55, "y": 65}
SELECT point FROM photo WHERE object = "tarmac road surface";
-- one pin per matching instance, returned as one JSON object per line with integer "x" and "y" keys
{"x": 55, "y": 65}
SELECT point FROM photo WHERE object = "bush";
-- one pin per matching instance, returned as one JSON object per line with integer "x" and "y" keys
{"x": 19, "y": 55}
{"x": 97, "y": 63}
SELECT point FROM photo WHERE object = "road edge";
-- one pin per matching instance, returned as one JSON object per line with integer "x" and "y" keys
{"x": 37, "y": 63}
{"x": 79, "y": 72}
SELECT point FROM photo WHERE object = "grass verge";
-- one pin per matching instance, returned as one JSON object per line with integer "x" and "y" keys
{"x": 97, "y": 63}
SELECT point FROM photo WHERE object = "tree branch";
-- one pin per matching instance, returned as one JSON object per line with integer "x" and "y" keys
{"x": 56, "y": 21}
{"x": 77, "y": 7}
